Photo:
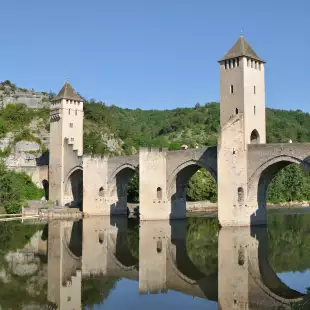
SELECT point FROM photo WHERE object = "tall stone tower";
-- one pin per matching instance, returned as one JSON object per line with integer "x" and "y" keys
{"x": 66, "y": 128}
{"x": 242, "y": 118}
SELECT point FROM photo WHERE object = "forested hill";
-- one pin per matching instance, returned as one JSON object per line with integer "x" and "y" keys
{"x": 172, "y": 128}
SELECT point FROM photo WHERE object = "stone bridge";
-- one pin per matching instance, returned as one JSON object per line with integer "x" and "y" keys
{"x": 99, "y": 247}
{"x": 242, "y": 163}
{"x": 163, "y": 177}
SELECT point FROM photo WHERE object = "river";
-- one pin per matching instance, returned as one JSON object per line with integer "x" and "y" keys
{"x": 103, "y": 263}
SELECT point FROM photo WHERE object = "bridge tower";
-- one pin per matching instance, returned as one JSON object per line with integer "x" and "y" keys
{"x": 66, "y": 132}
{"x": 242, "y": 122}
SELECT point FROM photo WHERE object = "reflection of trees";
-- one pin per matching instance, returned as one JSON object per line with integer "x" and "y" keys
{"x": 289, "y": 242}
{"x": 133, "y": 237}
{"x": 18, "y": 291}
{"x": 201, "y": 243}
{"x": 96, "y": 290}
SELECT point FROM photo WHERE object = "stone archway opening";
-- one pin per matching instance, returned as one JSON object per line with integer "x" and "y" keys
{"x": 192, "y": 185}
{"x": 74, "y": 188}
{"x": 283, "y": 182}
{"x": 45, "y": 185}
{"x": 254, "y": 138}
{"x": 125, "y": 188}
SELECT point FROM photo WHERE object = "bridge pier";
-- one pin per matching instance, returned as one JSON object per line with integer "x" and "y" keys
{"x": 98, "y": 199}
{"x": 155, "y": 202}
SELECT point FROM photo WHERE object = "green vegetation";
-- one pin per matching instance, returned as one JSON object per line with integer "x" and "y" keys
{"x": 15, "y": 189}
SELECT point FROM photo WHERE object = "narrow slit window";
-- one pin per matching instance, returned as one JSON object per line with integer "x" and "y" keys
{"x": 231, "y": 89}
{"x": 254, "y": 110}
{"x": 241, "y": 257}
{"x": 159, "y": 246}
{"x": 254, "y": 89}
{"x": 236, "y": 111}
{"x": 237, "y": 62}
{"x": 225, "y": 64}
{"x": 159, "y": 193}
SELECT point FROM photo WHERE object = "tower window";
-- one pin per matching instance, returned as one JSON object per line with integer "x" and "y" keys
{"x": 229, "y": 61}
{"x": 234, "y": 63}
{"x": 252, "y": 63}
{"x": 75, "y": 112}
{"x": 236, "y": 111}
{"x": 231, "y": 89}
{"x": 159, "y": 193}
{"x": 241, "y": 257}
{"x": 254, "y": 110}
{"x": 240, "y": 194}
{"x": 248, "y": 62}
{"x": 72, "y": 139}
{"x": 255, "y": 64}
{"x": 259, "y": 66}
{"x": 71, "y": 125}
{"x": 159, "y": 246}
{"x": 254, "y": 89}
{"x": 69, "y": 111}
{"x": 237, "y": 62}
{"x": 225, "y": 64}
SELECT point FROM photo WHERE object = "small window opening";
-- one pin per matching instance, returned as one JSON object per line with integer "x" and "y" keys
{"x": 248, "y": 62}
{"x": 254, "y": 89}
{"x": 69, "y": 111}
{"x": 229, "y": 64}
{"x": 254, "y": 138}
{"x": 234, "y": 63}
{"x": 159, "y": 193}
{"x": 231, "y": 89}
{"x": 259, "y": 66}
{"x": 75, "y": 112}
{"x": 225, "y": 64}
{"x": 241, "y": 257}
{"x": 72, "y": 139}
{"x": 237, "y": 62}
{"x": 236, "y": 111}
{"x": 254, "y": 110}
{"x": 101, "y": 191}
{"x": 159, "y": 246}
{"x": 252, "y": 63}
{"x": 255, "y": 64}
{"x": 240, "y": 194}
{"x": 101, "y": 238}
{"x": 71, "y": 125}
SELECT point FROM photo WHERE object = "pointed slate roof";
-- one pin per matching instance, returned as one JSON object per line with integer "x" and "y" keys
{"x": 67, "y": 92}
{"x": 241, "y": 48}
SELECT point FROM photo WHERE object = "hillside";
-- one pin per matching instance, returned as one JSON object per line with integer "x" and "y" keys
{"x": 117, "y": 131}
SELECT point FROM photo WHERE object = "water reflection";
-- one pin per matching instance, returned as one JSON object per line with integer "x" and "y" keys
{"x": 90, "y": 262}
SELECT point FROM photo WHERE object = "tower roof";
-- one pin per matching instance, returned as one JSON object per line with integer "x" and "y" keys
{"x": 241, "y": 48}
{"x": 67, "y": 92}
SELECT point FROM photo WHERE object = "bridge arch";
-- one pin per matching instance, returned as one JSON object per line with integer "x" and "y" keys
{"x": 73, "y": 186}
{"x": 119, "y": 180}
{"x": 263, "y": 175}
{"x": 180, "y": 176}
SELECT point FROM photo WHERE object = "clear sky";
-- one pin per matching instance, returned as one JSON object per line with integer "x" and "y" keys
{"x": 154, "y": 54}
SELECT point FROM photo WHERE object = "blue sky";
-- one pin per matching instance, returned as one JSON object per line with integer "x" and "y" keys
{"x": 153, "y": 54}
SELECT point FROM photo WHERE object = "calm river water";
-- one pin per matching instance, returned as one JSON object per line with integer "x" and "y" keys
{"x": 101, "y": 263}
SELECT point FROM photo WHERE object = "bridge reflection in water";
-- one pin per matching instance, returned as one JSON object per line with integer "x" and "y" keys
{"x": 98, "y": 247}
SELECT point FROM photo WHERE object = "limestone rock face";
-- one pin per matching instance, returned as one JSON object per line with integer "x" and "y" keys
{"x": 30, "y": 98}
{"x": 27, "y": 146}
